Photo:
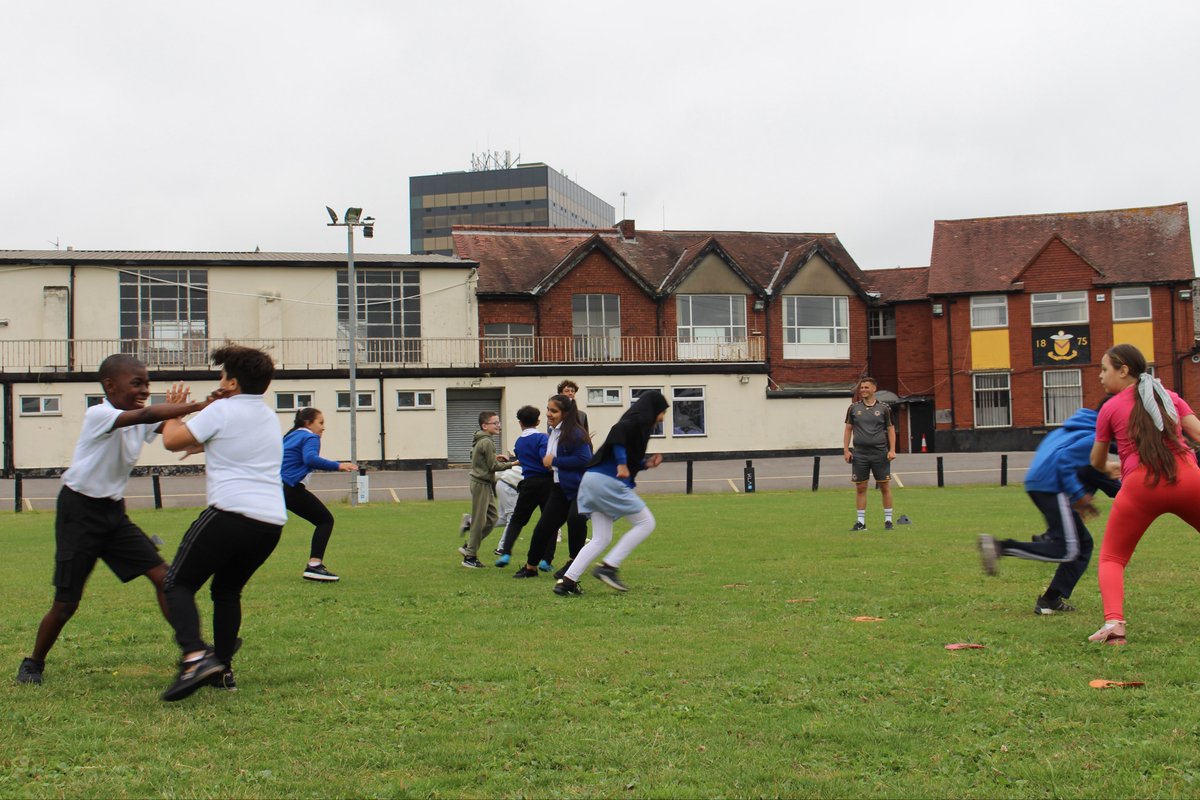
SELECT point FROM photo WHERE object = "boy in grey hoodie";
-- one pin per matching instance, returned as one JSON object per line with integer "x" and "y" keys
{"x": 484, "y": 466}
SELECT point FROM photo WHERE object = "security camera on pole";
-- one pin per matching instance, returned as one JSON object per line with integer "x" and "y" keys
{"x": 353, "y": 219}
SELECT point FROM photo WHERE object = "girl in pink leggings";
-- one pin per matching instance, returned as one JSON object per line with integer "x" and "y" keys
{"x": 1158, "y": 470}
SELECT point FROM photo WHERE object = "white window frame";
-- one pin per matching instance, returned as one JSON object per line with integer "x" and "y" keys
{"x": 981, "y": 304}
{"x": 836, "y": 344}
{"x": 1047, "y": 302}
{"x": 368, "y": 405}
{"x": 993, "y": 411}
{"x": 604, "y": 396}
{"x": 678, "y": 400}
{"x": 48, "y": 405}
{"x": 514, "y": 344}
{"x": 291, "y": 402}
{"x": 422, "y": 400}
{"x": 596, "y": 330}
{"x": 882, "y": 323}
{"x": 1123, "y": 295}
{"x": 719, "y": 341}
{"x": 634, "y": 393}
{"x": 1062, "y": 394}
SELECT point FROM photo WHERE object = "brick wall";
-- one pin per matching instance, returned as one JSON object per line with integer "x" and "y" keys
{"x": 597, "y": 274}
{"x": 819, "y": 371}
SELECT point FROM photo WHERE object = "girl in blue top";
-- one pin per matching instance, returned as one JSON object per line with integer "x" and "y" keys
{"x": 302, "y": 455}
{"x": 607, "y": 493}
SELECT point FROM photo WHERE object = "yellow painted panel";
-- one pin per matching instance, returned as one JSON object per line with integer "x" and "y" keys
{"x": 989, "y": 349}
{"x": 1138, "y": 334}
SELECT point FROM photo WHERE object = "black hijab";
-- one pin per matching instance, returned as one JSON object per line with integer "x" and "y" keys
{"x": 633, "y": 431}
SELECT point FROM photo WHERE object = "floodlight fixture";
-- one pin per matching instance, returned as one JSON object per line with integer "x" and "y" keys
{"x": 353, "y": 215}
{"x": 332, "y": 214}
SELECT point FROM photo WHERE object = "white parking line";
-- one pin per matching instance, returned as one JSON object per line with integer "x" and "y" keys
{"x": 896, "y": 476}
{"x": 393, "y": 491}
{"x": 733, "y": 486}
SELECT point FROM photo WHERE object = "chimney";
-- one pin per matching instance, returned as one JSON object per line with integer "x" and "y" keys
{"x": 627, "y": 229}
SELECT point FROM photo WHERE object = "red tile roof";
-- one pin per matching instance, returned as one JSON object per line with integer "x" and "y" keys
{"x": 900, "y": 284}
{"x": 529, "y": 260}
{"x": 1136, "y": 245}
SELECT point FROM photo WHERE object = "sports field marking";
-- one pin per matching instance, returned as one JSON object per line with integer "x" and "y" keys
{"x": 733, "y": 486}
{"x": 394, "y": 497}
{"x": 896, "y": 476}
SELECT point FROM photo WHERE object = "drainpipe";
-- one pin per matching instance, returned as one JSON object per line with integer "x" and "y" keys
{"x": 1178, "y": 367}
{"x": 8, "y": 430}
{"x": 382, "y": 425}
{"x": 949, "y": 370}
{"x": 71, "y": 320}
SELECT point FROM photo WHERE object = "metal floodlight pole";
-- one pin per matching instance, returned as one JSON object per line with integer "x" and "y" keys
{"x": 352, "y": 220}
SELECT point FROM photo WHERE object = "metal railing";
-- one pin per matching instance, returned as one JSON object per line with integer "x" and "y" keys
{"x": 85, "y": 355}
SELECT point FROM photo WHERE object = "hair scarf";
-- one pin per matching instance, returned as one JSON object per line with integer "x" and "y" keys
{"x": 1149, "y": 386}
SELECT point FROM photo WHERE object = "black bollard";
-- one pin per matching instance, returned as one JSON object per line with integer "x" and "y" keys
{"x": 17, "y": 494}
{"x": 154, "y": 481}
{"x": 689, "y": 476}
{"x": 748, "y": 477}
{"x": 941, "y": 473}
{"x": 816, "y": 472}
{"x": 429, "y": 481}
{"x": 1004, "y": 469}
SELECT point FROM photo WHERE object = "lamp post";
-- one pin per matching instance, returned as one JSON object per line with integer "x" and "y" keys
{"x": 353, "y": 219}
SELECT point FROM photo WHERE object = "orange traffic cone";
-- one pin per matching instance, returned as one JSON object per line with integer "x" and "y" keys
{"x": 924, "y": 447}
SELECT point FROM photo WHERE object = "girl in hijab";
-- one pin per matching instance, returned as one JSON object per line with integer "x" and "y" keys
{"x": 607, "y": 492}
{"x": 1158, "y": 470}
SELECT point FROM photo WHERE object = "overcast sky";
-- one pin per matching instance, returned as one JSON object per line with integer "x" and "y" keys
{"x": 226, "y": 125}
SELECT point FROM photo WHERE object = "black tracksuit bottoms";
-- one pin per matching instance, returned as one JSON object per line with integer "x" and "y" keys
{"x": 1066, "y": 542}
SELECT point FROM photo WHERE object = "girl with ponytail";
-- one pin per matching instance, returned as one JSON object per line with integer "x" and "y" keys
{"x": 1158, "y": 470}
{"x": 302, "y": 455}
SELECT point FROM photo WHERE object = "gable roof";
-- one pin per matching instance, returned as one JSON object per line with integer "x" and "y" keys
{"x": 519, "y": 260}
{"x": 899, "y": 284}
{"x": 220, "y": 259}
{"x": 1135, "y": 245}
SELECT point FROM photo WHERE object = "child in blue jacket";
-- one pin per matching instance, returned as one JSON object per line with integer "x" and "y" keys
{"x": 1061, "y": 484}
{"x": 302, "y": 455}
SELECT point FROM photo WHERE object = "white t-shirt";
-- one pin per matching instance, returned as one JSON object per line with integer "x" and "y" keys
{"x": 104, "y": 456}
{"x": 243, "y": 451}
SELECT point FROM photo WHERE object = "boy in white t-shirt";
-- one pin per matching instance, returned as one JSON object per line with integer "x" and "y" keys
{"x": 231, "y": 538}
{"x": 90, "y": 521}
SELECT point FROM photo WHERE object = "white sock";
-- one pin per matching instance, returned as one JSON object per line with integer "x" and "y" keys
{"x": 887, "y": 515}
{"x": 862, "y": 516}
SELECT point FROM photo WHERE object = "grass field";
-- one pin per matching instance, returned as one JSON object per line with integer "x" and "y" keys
{"x": 732, "y": 669}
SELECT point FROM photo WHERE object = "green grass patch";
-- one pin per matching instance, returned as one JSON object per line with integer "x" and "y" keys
{"x": 731, "y": 669}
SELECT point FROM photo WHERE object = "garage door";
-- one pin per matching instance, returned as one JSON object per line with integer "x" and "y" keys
{"x": 463, "y": 407}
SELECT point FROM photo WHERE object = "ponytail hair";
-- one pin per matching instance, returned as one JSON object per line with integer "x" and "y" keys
{"x": 1153, "y": 422}
{"x": 572, "y": 429}
{"x": 304, "y": 417}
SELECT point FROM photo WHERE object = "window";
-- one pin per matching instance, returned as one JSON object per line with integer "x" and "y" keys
{"x": 1054, "y": 308}
{"x": 366, "y": 401}
{"x": 989, "y": 311}
{"x": 687, "y": 411}
{"x": 816, "y": 327}
{"x": 508, "y": 341}
{"x": 96, "y": 399}
{"x": 603, "y": 396}
{"x": 993, "y": 400}
{"x": 883, "y": 323}
{"x": 1131, "y": 304}
{"x": 408, "y": 400}
{"x": 1062, "y": 394}
{"x": 164, "y": 316}
{"x": 709, "y": 323}
{"x": 389, "y": 315}
{"x": 635, "y": 393}
{"x": 293, "y": 401}
{"x": 45, "y": 405}
{"x": 596, "y": 326}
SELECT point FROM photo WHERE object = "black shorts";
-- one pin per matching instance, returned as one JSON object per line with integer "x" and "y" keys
{"x": 864, "y": 465}
{"x": 89, "y": 528}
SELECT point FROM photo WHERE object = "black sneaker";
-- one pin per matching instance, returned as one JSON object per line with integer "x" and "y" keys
{"x": 887, "y": 525}
{"x": 1058, "y": 606}
{"x": 859, "y": 526}
{"x": 564, "y": 587}
{"x": 525, "y": 572}
{"x": 223, "y": 680}
{"x": 471, "y": 562}
{"x": 30, "y": 671}
{"x": 989, "y": 554}
{"x": 319, "y": 573}
{"x": 608, "y": 575}
{"x": 561, "y": 572}
{"x": 192, "y": 675}
{"x": 464, "y": 525}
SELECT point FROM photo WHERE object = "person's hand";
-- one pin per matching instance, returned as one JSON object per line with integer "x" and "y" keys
{"x": 547, "y": 460}
{"x": 622, "y": 471}
{"x": 1113, "y": 468}
{"x": 503, "y": 459}
{"x": 178, "y": 393}
{"x": 891, "y": 455}
{"x": 846, "y": 454}
{"x": 345, "y": 466}
{"x": 1085, "y": 507}
{"x": 191, "y": 450}
{"x": 216, "y": 394}
{"x": 653, "y": 461}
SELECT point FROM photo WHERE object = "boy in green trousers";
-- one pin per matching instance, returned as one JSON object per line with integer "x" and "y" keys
{"x": 484, "y": 466}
